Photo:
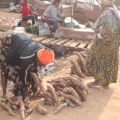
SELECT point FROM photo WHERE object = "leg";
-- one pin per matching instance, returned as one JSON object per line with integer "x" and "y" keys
{"x": 4, "y": 66}
{"x": 4, "y": 86}
{"x": 52, "y": 22}
{"x": 30, "y": 16}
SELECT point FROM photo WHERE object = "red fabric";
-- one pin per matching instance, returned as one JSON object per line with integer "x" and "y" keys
{"x": 46, "y": 18}
{"x": 26, "y": 10}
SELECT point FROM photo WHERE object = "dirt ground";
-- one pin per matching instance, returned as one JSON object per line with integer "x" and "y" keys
{"x": 101, "y": 104}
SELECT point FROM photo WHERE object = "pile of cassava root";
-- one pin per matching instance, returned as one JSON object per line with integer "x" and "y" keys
{"x": 79, "y": 66}
{"x": 61, "y": 92}
{"x": 14, "y": 103}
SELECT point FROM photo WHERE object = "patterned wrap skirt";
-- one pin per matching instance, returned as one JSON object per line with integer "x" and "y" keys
{"x": 10, "y": 72}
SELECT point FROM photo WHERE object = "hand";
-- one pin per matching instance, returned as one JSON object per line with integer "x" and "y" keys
{"x": 63, "y": 17}
{"x": 40, "y": 79}
{"x": 97, "y": 30}
{"x": 62, "y": 21}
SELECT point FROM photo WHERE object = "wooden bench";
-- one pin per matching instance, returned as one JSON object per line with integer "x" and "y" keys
{"x": 39, "y": 20}
{"x": 23, "y": 23}
{"x": 4, "y": 4}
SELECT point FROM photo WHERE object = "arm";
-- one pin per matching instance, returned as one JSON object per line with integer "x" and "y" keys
{"x": 59, "y": 15}
{"x": 53, "y": 14}
{"x": 97, "y": 30}
{"x": 36, "y": 71}
{"x": 32, "y": 12}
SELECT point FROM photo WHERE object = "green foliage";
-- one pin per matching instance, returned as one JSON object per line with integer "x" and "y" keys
{"x": 77, "y": 27}
{"x": 65, "y": 25}
{"x": 34, "y": 29}
{"x": 88, "y": 25}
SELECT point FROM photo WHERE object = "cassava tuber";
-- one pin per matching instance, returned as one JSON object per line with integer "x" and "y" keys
{"x": 59, "y": 108}
{"x": 48, "y": 93}
{"x": 52, "y": 90}
{"x": 14, "y": 107}
{"x": 81, "y": 59}
{"x": 81, "y": 93}
{"x": 78, "y": 83}
{"x": 73, "y": 71}
{"x": 41, "y": 109}
{"x": 72, "y": 98}
{"x": 49, "y": 101}
{"x": 28, "y": 111}
{"x": 39, "y": 84}
{"x": 77, "y": 68}
{"x": 69, "y": 102}
{"x": 12, "y": 102}
{"x": 77, "y": 77}
{"x": 6, "y": 107}
{"x": 71, "y": 91}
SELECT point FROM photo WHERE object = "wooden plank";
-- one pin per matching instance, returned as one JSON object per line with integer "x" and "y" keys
{"x": 55, "y": 41}
{"x": 83, "y": 44}
{"x": 48, "y": 40}
{"x": 76, "y": 48}
{"x": 38, "y": 39}
{"x": 75, "y": 43}
{"x": 69, "y": 42}
{"x": 62, "y": 42}
{"x": 89, "y": 46}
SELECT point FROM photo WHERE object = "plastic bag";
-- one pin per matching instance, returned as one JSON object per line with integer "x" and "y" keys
{"x": 58, "y": 34}
{"x": 44, "y": 29}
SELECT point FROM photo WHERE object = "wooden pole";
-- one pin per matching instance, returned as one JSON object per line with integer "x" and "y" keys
{"x": 61, "y": 3}
{"x": 72, "y": 14}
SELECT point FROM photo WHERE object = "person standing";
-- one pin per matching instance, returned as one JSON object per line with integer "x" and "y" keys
{"x": 103, "y": 57}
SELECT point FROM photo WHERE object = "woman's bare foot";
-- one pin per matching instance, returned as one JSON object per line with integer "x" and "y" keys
{"x": 94, "y": 84}
{"x": 105, "y": 86}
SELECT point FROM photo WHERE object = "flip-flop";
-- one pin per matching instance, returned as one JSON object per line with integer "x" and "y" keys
{"x": 93, "y": 86}
{"x": 105, "y": 86}
{"x": 3, "y": 100}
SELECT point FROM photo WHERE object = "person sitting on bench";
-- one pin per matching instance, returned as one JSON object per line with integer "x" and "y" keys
{"x": 27, "y": 13}
{"x": 52, "y": 15}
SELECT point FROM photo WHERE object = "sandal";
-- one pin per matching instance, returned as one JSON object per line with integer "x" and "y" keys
{"x": 105, "y": 86}
{"x": 3, "y": 100}
{"x": 94, "y": 85}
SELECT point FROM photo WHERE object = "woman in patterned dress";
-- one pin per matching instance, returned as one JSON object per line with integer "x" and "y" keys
{"x": 103, "y": 57}
{"x": 20, "y": 55}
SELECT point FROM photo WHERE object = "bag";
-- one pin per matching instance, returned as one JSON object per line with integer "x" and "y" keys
{"x": 44, "y": 29}
{"x": 58, "y": 34}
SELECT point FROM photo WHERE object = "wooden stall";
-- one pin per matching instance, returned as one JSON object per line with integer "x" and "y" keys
{"x": 65, "y": 9}
{"x": 85, "y": 11}
{"x": 5, "y": 3}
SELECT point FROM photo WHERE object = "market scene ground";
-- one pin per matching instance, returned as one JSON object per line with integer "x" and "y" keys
{"x": 100, "y": 104}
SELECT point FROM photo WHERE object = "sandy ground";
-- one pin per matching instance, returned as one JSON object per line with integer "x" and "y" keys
{"x": 101, "y": 104}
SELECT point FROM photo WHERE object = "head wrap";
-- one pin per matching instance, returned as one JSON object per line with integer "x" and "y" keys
{"x": 55, "y": 1}
{"x": 45, "y": 56}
